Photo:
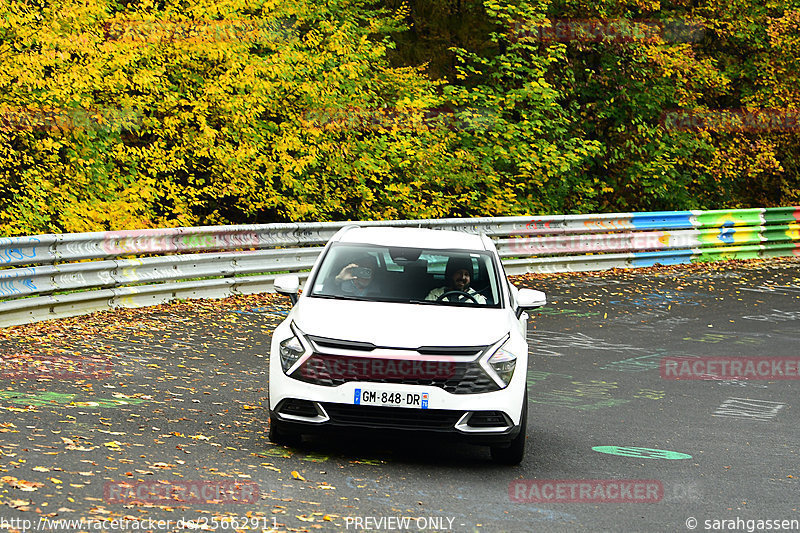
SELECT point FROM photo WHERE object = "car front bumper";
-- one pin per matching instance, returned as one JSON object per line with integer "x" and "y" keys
{"x": 488, "y": 418}
{"x": 475, "y": 427}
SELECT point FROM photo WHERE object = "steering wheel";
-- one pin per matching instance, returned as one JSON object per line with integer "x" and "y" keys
{"x": 462, "y": 293}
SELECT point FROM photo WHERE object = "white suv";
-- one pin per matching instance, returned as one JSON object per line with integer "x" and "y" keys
{"x": 387, "y": 335}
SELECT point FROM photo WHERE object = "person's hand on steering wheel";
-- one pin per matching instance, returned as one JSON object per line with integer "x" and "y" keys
{"x": 460, "y": 293}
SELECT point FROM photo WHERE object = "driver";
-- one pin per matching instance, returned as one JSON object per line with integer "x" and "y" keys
{"x": 458, "y": 275}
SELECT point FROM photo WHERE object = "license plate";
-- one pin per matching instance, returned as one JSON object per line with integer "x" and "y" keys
{"x": 413, "y": 400}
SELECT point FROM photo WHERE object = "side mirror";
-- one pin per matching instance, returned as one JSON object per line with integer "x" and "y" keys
{"x": 288, "y": 284}
{"x": 530, "y": 299}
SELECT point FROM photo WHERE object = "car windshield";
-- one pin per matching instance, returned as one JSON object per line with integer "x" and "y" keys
{"x": 408, "y": 275}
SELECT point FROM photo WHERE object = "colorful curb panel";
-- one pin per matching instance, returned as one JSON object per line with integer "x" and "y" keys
{"x": 663, "y": 220}
{"x": 44, "y": 264}
{"x": 662, "y": 237}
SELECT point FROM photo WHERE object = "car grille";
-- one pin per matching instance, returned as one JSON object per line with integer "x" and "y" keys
{"x": 454, "y": 377}
{"x": 391, "y": 417}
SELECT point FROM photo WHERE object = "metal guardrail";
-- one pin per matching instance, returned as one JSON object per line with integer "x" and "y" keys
{"x": 52, "y": 276}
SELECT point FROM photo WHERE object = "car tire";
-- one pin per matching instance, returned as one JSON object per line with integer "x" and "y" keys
{"x": 278, "y": 434}
{"x": 512, "y": 454}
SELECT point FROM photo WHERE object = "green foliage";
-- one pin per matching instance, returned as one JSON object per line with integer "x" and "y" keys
{"x": 122, "y": 115}
{"x": 434, "y": 28}
{"x": 530, "y": 157}
{"x": 216, "y": 102}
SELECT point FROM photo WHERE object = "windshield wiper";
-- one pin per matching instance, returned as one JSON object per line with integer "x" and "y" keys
{"x": 334, "y": 297}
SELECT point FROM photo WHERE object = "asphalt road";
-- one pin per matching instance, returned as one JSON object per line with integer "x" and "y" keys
{"x": 154, "y": 410}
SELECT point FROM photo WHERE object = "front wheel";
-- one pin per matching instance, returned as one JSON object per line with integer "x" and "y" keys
{"x": 512, "y": 454}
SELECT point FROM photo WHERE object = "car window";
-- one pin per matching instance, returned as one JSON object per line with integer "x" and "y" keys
{"x": 406, "y": 275}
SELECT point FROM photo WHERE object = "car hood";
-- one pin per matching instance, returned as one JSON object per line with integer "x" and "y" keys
{"x": 400, "y": 325}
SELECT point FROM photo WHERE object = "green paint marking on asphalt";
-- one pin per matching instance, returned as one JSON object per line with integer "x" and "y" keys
{"x": 278, "y": 452}
{"x": 55, "y": 398}
{"x": 286, "y": 453}
{"x": 644, "y": 453}
{"x": 314, "y": 458}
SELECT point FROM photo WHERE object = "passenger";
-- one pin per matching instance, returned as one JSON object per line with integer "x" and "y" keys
{"x": 458, "y": 275}
{"x": 356, "y": 278}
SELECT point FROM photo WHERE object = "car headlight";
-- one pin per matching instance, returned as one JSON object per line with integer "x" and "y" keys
{"x": 291, "y": 350}
{"x": 503, "y": 362}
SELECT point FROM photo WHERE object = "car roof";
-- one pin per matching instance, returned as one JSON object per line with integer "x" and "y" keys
{"x": 413, "y": 238}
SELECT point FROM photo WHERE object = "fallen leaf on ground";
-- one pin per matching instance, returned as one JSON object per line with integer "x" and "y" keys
{"x": 28, "y": 486}
{"x": 21, "y": 505}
